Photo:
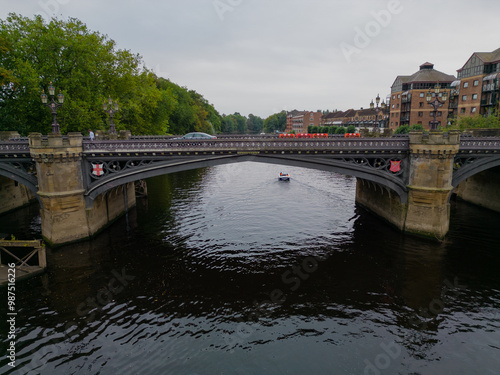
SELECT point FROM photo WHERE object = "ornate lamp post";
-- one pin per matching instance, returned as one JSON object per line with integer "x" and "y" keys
{"x": 111, "y": 108}
{"x": 436, "y": 103}
{"x": 382, "y": 106}
{"x": 53, "y": 105}
{"x": 377, "y": 100}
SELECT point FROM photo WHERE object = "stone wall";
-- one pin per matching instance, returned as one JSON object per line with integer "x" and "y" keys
{"x": 64, "y": 212}
{"x": 381, "y": 201}
{"x": 13, "y": 195}
{"x": 482, "y": 189}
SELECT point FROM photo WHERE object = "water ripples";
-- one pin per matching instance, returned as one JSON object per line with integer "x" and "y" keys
{"x": 234, "y": 272}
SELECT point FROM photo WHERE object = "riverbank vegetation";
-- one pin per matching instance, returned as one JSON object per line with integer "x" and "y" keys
{"x": 88, "y": 68}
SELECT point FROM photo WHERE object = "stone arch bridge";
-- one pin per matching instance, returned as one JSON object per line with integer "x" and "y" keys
{"x": 83, "y": 185}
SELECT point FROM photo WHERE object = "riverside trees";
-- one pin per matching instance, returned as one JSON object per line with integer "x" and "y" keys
{"x": 88, "y": 68}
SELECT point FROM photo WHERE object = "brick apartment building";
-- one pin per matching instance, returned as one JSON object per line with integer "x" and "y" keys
{"x": 408, "y": 103}
{"x": 299, "y": 121}
{"x": 476, "y": 91}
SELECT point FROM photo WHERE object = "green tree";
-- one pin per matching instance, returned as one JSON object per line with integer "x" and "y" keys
{"x": 351, "y": 129}
{"x": 85, "y": 65}
{"x": 255, "y": 124}
{"x": 403, "y": 129}
{"x": 88, "y": 68}
{"x": 477, "y": 122}
{"x": 340, "y": 130}
{"x": 275, "y": 122}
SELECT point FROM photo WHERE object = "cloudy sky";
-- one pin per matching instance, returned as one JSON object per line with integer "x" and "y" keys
{"x": 263, "y": 56}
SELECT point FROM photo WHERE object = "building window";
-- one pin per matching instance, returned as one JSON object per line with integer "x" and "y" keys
{"x": 439, "y": 113}
{"x": 466, "y": 84}
{"x": 393, "y": 106}
{"x": 422, "y": 95}
{"x": 462, "y": 110}
{"x": 464, "y": 98}
{"x": 399, "y": 96}
{"x": 394, "y": 96}
{"x": 419, "y": 122}
{"x": 474, "y": 96}
{"x": 476, "y": 83}
{"x": 420, "y": 114}
{"x": 421, "y": 104}
{"x": 473, "y": 110}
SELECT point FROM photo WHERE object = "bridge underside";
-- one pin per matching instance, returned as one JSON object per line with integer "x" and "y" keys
{"x": 370, "y": 168}
{"x": 21, "y": 170}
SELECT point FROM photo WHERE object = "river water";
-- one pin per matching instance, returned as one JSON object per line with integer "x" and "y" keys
{"x": 225, "y": 270}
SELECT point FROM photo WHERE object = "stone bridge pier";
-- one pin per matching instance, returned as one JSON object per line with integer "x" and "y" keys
{"x": 64, "y": 213}
{"x": 426, "y": 211}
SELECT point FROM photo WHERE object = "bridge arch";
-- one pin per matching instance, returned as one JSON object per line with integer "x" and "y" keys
{"x": 111, "y": 181}
{"x": 15, "y": 172}
{"x": 475, "y": 166}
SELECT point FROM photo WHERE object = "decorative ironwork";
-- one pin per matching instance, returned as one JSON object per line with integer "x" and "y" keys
{"x": 345, "y": 145}
{"x": 380, "y": 164}
{"x": 15, "y": 147}
{"x": 53, "y": 105}
{"x": 476, "y": 145}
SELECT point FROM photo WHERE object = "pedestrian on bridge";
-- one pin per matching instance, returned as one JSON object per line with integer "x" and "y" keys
{"x": 91, "y": 135}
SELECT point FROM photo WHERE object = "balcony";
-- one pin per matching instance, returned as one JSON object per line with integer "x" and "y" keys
{"x": 491, "y": 86}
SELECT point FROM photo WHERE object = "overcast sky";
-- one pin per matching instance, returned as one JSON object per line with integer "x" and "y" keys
{"x": 263, "y": 56}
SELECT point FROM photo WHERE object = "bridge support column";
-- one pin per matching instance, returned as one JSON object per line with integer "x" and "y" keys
{"x": 426, "y": 211}
{"x": 430, "y": 183}
{"x": 65, "y": 217}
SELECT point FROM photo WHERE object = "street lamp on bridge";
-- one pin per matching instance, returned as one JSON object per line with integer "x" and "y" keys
{"x": 377, "y": 99}
{"x": 111, "y": 107}
{"x": 53, "y": 105}
{"x": 436, "y": 103}
{"x": 384, "y": 107}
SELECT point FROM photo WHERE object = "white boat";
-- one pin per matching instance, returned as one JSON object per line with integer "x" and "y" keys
{"x": 284, "y": 177}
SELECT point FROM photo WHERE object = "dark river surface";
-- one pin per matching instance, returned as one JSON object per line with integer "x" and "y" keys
{"x": 225, "y": 270}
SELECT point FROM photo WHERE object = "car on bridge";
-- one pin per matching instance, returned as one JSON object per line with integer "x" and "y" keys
{"x": 197, "y": 135}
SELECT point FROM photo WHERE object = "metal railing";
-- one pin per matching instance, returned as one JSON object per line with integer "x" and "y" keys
{"x": 291, "y": 144}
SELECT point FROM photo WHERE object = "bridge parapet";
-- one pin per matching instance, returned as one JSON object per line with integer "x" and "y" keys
{"x": 168, "y": 145}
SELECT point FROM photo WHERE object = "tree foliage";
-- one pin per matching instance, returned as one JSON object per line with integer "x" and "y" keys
{"x": 275, "y": 122}
{"x": 88, "y": 68}
{"x": 478, "y": 122}
{"x": 351, "y": 129}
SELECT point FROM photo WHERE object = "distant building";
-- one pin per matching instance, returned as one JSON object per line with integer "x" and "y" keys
{"x": 476, "y": 91}
{"x": 360, "y": 118}
{"x": 299, "y": 121}
{"x": 408, "y": 105}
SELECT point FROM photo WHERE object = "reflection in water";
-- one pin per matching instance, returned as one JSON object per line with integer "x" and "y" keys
{"x": 227, "y": 270}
